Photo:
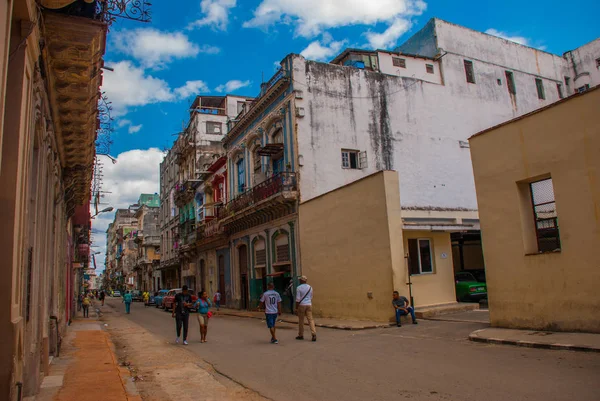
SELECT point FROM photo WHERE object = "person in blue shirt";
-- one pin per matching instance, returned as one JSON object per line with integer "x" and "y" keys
{"x": 127, "y": 298}
{"x": 202, "y": 305}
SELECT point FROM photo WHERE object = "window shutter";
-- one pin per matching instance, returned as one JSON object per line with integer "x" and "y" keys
{"x": 413, "y": 256}
{"x": 363, "y": 162}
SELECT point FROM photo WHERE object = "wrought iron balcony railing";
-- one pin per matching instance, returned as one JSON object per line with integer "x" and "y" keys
{"x": 278, "y": 183}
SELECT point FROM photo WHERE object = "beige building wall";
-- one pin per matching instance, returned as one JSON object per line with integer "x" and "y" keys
{"x": 351, "y": 248}
{"x": 549, "y": 291}
{"x": 435, "y": 288}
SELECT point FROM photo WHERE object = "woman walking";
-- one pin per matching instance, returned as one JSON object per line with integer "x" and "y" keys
{"x": 86, "y": 305}
{"x": 127, "y": 298}
{"x": 202, "y": 305}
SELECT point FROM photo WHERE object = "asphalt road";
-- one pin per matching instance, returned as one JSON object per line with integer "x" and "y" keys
{"x": 429, "y": 361}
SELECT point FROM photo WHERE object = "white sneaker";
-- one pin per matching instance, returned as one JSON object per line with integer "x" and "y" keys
{"x": 177, "y": 340}
{"x": 185, "y": 342}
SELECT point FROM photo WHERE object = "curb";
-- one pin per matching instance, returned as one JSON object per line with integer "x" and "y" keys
{"x": 530, "y": 344}
{"x": 327, "y": 326}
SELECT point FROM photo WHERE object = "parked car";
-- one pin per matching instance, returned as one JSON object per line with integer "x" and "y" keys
{"x": 169, "y": 299}
{"x": 116, "y": 294}
{"x": 468, "y": 288}
{"x": 137, "y": 296}
{"x": 158, "y": 299}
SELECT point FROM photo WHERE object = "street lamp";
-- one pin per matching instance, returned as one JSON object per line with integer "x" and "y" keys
{"x": 108, "y": 209}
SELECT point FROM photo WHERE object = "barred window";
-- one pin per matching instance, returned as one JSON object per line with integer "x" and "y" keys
{"x": 546, "y": 218}
{"x": 399, "y": 62}
{"x": 261, "y": 257}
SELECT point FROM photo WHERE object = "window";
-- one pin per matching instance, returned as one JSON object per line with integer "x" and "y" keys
{"x": 598, "y": 62}
{"x": 213, "y": 127}
{"x": 429, "y": 68}
{"x": 469, "y": 71}
{"x": 399, "y": 62}
{"x": 241, "y": 106}
{"x": 257, "y": 161}
{"x": 420, "y": 256}
{"x": 241, "y": 176}
{"x": 560, "y": 91}
{"x": 567, "y": 82}
{"x": 353, "y": 159}
{"x": 510, "y": 82}
{"x": 544, "y": 212}
{"x": 261, "y": 257}
{"x": 540, "y": 89}
{"x": 583, "y": 88}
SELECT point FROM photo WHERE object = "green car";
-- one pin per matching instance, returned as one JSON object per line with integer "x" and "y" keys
{"x": 468, "y": 288}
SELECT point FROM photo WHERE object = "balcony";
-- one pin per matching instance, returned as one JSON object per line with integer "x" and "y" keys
{"x": 276, "y": 197}
{"x": 184, "y": 191}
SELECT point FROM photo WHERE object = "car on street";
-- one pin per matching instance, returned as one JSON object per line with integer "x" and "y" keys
{"x": 158, "y": 299}
{"x": 137, "y": 296}
{"x": 468, "y": 289}
{"x": 169, "y": 299}
{"x": 116, "y": 294}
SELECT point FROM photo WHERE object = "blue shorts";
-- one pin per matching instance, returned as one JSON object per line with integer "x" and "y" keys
{"x": 271, "y": 319}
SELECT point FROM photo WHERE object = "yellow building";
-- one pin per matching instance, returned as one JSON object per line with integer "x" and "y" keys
{"x": 538, "y": 189}
{"x": 355, "y": 264}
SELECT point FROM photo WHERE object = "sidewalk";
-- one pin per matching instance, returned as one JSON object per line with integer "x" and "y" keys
{"x": 585, "y": 342}
{"x": 87, "y": 369}
{"x": 319, "y": 322}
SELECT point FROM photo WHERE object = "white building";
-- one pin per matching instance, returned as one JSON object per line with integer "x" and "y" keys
{"x": 411, "y": 110}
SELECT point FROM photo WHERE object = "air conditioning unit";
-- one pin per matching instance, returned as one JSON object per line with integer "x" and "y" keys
{"x": 300, "y": 112}
{"x": 299, "y": 94}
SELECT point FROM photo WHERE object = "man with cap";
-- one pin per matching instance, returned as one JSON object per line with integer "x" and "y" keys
{"x": 304, "y": 294}
{"x": 181, "y": 313}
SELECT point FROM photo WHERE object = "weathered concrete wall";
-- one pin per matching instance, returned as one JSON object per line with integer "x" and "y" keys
{"x": 415, "y": 67}
{"x": 414, "y": 126}
{"x": 344, "y": 257}
{"x": 549, "y": 291}
{"x": 584, "y": 64}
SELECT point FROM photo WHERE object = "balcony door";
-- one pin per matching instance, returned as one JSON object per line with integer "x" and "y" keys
{"x": 243, "y": 265}
{"x": 222, "y": 279}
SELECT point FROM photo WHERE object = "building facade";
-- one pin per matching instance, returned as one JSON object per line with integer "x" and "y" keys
{"x": 48, "y": 121}
{"x": 123, "y": 224}
{"x": 538, "y": 190}
{"x": 147, "y": 239}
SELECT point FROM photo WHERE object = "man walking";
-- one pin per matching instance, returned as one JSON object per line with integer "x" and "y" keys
{"x": 217, "y": 299}
{"x": 127, "y": 298}
{"x": 181, "y": 313}
{"x": 402, "y": 307}
{"x": 102, "y": 297}
{"x": 304, "y": 294}
{"x": 86, "y": 305}
{"x": 271, "y": 301}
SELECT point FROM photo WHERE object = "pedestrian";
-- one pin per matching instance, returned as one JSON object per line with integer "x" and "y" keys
{"x": 289, "y": 291}
{"x": 79, "y": 301}
{"x": 271, "y": 302}
{"x": 102, "y": 297}
{"x": 127, "y": 298}
{"x": 304, "y": 295}
{"x": 86, "y": 306}
{"x": 181, "y": 313}
{"x": 217, "y": 299}
{"x": 146, "y": 298}
{"x": 202, "y": 305}
{"x": 402, "y": 307}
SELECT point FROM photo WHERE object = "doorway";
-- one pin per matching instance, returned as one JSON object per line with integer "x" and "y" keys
{"x": 202, "y": 275}
{"x": 222, "y": 279}
{"x": 243, "y": 263}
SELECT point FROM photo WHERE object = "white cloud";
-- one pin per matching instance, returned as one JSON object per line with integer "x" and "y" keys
{"x": 517, "y": 39}
{"x": 312, "y": 17}
{"x": 154, "y": 48}
{"x": 322, "y": 50}
{"x": 390, "y": 36}
{"x": 136, "y": 172}
{"x": 232, "y": 86}
{"x": 192, "y": 88}
{"x": 129, "y": 86}
{"x": 133, "y": 129}
{"x": 215, "y": 14}
{"x": 123, "y": 123}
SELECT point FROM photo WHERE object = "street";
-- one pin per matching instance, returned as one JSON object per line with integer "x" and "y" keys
{"x": 429, "y": 361}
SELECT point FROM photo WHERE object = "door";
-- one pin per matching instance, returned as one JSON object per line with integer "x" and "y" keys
{"x": 222, "y": 279}
{"x": 203, "y": 276}
{"x": 243, "y": 263}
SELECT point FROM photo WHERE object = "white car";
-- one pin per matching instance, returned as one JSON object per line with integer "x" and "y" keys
{"x": 116, "y": 294}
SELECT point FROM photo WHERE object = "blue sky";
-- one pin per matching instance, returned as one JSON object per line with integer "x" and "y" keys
{"x": 214, "y": 47}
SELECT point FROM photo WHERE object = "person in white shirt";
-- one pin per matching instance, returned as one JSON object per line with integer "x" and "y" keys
{"x": 304, "y": 295}
{"x": 271, "y": 301}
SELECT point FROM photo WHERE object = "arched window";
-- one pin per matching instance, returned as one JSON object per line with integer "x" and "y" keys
{"x": 277, "y": 159}
{"x": 281, "y": 247}
{"x": 241, "y": 176}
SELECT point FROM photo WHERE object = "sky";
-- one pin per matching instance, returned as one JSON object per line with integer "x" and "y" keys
{"x": 217, "y": 47}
